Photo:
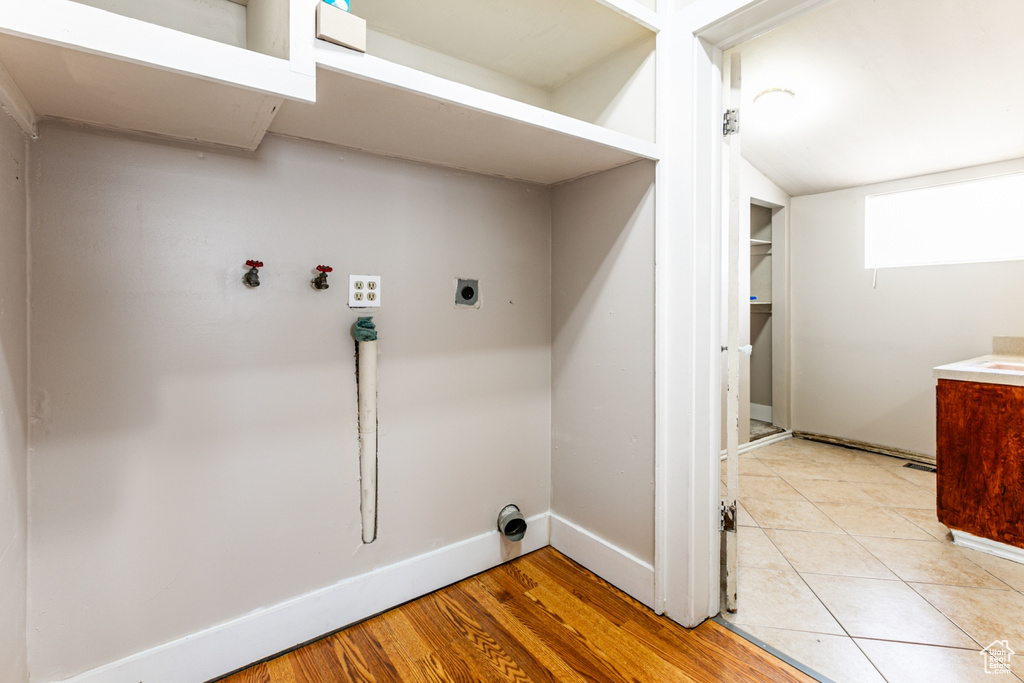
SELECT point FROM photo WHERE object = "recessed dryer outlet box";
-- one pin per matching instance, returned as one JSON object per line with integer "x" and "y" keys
{"x": 467, "y": 293}
{"x": 364, "y": 291}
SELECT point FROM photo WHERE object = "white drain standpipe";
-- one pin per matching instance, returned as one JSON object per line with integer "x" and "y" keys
{"x": 366, "y": 354}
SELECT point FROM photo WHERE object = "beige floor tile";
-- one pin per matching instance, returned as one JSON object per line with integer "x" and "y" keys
{"x": 864, "y": 473}
{"x": 887, "y": 461}
{"x": 985, "y": 614}
{"x": 743, "y": 517}
{"x": 929, "y": 562}
{"x": 824, "y": 491}
{"x": 833, "y": 455}
{"x": 789, "y": 514}
{"x": 1007, "y": 571}
{"x": 754, "y": 467}
{"x": 787, "y": 449}
{"x": 869, "y": 520}
{"x": 906, "y": 663}
{"x": 756, "y": 550}
{"x": 926, "y": 520}
{"x": 837, "y": 554}
{"x": 799, "y": 469}
{"x": 925, "y": 480}
{"x": 886, "y": 610}
{"x": 779, "y": 599}
{"x": 901, "y": 495}
{"x": 836, "y": 657}
{"x": 768, "y": 488}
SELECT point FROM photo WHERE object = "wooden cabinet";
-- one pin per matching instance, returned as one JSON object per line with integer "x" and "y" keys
{"x": 980, "y": 459}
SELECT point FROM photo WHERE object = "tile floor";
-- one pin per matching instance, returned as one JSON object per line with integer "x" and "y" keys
{"x": 845, "y": 568}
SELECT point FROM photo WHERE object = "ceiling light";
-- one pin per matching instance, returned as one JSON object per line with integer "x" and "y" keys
{"x": 775, "y": 105}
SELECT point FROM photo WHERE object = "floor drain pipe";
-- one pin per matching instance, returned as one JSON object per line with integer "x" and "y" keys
{"x": 365, "y": 334}
{"x": 511, "y": 523}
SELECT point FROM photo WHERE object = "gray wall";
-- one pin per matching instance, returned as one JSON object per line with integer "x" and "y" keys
{"x": 13, "y": 402}
{"x": 195, "y": 446}
{"x": 862, "y": 357}
{"x": 602, "y": 293}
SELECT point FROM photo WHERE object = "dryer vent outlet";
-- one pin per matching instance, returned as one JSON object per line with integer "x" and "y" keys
{"x": 511, "y": 523}
{"x": 467, "y": 293}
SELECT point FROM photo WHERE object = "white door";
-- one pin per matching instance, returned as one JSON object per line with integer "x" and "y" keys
{"x": 730, "y": 130}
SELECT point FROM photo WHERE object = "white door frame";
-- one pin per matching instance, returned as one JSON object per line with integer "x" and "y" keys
{"x": 688, "y": 284}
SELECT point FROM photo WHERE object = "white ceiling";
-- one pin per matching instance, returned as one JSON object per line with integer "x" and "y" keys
{"x": 887, "y": 89}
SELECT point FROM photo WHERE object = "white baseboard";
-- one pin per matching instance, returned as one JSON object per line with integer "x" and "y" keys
{"x": 985, "y": 545}
{"x": 760, "y": 412}
{"x": 258, "y": 635}
{"x": 627, "y": 573}
{"x": 763, "y": 441}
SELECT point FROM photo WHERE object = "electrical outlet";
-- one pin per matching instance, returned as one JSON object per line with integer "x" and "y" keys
{"x": 364, "y": 291}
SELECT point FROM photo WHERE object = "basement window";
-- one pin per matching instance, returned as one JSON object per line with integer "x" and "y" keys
{"x": 965, "y": 222}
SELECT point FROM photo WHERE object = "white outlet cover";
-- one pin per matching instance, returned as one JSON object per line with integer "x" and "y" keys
{"x": 364, "y": 291}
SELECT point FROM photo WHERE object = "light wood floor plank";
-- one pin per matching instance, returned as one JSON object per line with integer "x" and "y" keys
{"x": 541, "y": 618}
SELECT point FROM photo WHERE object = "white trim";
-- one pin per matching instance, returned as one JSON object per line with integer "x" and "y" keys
{"x": 13, "y": 101}
{"x": 265, "y": 632}
{"x": 987, "y": 545}
{"x": 774, "y": 438}
{"x": 613, "y": 564}
{"x": 632, "y": 9}
{"x": 688, "y": 297}
{"x": 754, "y": 445}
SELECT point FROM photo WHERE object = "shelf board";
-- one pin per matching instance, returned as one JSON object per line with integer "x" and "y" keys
{"x": 62, "y": 83}
{"x": 759, "y": 243}
{"x": 82, "y": 28}
{"x": 370, "y": 104}
{"x": 538, "y": 42}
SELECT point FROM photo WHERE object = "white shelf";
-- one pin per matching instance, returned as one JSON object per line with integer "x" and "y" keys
{"x": 759, "y": 243}
{"x": 592, "y": 60}
{"x": 589, "y": 64}
{"x": 371, "y": 104}
{"x": 79, "y": 62}
{"x": 538, "y": 42}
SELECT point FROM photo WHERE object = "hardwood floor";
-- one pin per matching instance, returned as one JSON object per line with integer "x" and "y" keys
{"x": 541, "y": 617}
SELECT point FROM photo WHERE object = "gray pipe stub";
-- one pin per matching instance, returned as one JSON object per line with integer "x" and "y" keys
{"x": 511, "y": 523}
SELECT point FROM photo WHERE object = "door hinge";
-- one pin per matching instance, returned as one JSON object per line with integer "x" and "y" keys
{"x": 731, "y": 122}
{"x": 726, "y": 516}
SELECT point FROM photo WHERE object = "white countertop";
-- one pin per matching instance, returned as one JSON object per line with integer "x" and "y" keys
{"x": 970, "y": 370}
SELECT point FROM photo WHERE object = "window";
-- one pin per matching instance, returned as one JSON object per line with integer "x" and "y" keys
{"x": 965, "y": 222}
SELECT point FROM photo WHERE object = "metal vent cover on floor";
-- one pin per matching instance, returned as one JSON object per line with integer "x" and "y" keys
{"x": 923, "y": 468}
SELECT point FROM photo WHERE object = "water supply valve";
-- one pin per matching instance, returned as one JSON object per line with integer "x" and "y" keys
{"x": 252, "y": 277}
{"x": 320, "y": 281}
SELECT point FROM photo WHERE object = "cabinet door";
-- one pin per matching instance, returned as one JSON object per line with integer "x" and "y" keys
{"x": 980, "y": 458}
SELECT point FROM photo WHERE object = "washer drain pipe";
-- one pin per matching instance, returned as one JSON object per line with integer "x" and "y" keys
{"x": 365, "y": 334}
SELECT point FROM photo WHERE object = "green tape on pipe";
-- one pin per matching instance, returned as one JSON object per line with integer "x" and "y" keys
{"x": 364, "y": 330}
